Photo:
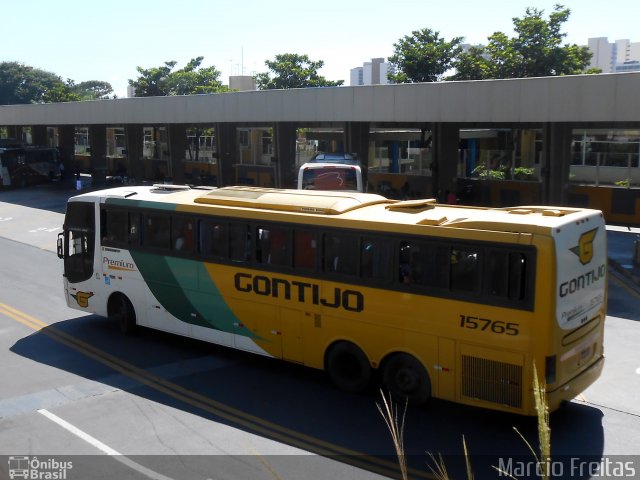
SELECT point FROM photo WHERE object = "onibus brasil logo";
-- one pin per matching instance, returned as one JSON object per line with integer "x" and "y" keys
{"x": 22, "y": 466}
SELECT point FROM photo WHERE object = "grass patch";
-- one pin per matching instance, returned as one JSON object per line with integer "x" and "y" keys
{"x": 395, "y": 424}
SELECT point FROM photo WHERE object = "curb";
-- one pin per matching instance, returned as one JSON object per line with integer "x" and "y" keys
{"x": 627, "y": 275}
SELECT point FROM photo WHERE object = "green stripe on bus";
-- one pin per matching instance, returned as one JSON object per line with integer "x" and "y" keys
{"x": 130, "y": 203}
{"x": 193, "y": 299}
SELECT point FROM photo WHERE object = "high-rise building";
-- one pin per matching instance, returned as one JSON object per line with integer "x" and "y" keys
{"x": 619, "y": 56}
{"x": 371, "y": 73}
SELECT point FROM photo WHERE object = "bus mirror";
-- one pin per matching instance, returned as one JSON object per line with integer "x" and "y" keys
{"x": 60, "y": 245}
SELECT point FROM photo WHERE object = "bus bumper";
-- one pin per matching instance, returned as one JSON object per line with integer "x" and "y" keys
{"x": 571, "y": 389}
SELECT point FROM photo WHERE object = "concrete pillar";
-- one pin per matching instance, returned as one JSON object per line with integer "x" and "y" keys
{"x": 285, "y": 158}
{"x": 446, "y": 139}
{"x": 557, "y": 161}
{"x": 67, "y": 149}
{"x": 39, "y": 135}
{"x": 227, "y": 153}
{"x": 357, "y": 141}
{"x": 98, "y": 142}
{"x": 134, "y": 141}
{"x": 20, "y": 134}
{"x": 177, "y": 147}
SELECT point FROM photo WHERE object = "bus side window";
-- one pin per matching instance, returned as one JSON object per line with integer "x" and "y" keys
{"x": 424, "y": 264}
{"x": 213, "y": 239}
{"x": 181, "y": 234}
{"x": 498, "y": 273}
{"x": 375, "y": 258}
{"x": 239, "y": 242}
{"x": 338, "y": 254}
{"x": 506, "y": 274}
{"x": 405, "y": 263}
{"x": 114, "y": 226}
{"x": 156, "y": 231}
{"x": 517, "y": 276}
{"x": 134, "y": 229}
{"x": 465, "y": 270}
{"x": 273, "y": 246}
{"x": 305, "y": 247}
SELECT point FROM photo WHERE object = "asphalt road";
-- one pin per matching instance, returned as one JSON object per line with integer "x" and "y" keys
{"x": 72, "y": 388}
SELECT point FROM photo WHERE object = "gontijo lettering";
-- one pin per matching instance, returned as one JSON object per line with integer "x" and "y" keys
{"x": 578, "y": 283}
{"x": 350, "y": 300}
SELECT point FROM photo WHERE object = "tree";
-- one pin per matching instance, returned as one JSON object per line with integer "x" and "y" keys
{"x": 291, "y": 70}
{"x": 472, "y": 64}
{"x": 423, "y": 56}
{"x": 20, "y": 84}
{"x": 92, "y": 89}
{"x": 535, "y": 51}
{"x": 161, "y": 81}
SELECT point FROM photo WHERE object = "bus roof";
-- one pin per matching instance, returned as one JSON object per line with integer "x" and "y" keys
{"x": 303, "y": 201}
{"x": 344, "y": 205}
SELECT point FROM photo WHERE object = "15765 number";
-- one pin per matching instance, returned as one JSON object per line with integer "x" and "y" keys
{"x": 495, "y": 326}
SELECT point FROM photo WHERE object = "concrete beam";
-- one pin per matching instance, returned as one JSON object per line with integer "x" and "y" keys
{"x": 573, "y": 98}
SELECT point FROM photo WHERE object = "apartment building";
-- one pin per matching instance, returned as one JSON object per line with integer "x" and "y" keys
{"x": 614, "y": 57}
{"x": 371, "y": 73}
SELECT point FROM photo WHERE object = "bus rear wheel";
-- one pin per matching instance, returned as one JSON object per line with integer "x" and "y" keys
{"x": 121, "y": 310}
{"x": 348, "y": 367}
{"x": 406, "y": 379}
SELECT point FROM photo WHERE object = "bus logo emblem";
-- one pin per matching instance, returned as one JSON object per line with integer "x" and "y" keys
{"x": 82, "y": 298}
{"x": 584, "y": 249}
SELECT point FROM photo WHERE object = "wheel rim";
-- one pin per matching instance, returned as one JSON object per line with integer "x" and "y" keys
{"x": 406, "y": 380}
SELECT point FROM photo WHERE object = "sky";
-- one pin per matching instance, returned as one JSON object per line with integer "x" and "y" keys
{"x": 96, "y": 40}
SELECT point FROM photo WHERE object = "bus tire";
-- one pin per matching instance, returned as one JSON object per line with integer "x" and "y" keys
{"x": 348, "y": 367}
{"x": 406, "y": 379}
{"x": 121, "y": 309}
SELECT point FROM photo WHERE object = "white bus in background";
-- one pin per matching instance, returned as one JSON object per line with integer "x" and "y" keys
{"x": 330, "y": 176}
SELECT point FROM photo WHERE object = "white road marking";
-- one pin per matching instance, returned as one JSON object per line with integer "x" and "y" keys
{"x": 102, "y": 447}
{"x": 44, "y": 229}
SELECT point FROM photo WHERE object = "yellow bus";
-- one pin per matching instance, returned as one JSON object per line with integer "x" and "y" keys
{"x": 444, "y": 301}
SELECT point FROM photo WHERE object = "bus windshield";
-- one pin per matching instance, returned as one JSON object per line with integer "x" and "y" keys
{"x": 316, "y": 176}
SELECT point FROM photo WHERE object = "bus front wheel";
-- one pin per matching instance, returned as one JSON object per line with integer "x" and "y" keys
{"x": 406, "y": 379}
{"x": 348, "y": 367}
{"x": 121, "y": 309}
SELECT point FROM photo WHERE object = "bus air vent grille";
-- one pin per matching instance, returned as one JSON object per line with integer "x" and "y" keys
{"x": 492, "y": 381}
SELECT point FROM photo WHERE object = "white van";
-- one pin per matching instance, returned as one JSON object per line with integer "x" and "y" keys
{"x": 330, "y": 176}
